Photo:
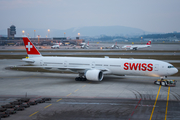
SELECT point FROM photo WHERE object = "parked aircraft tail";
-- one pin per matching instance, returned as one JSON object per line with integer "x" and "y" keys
{"x": 149, "y": 43}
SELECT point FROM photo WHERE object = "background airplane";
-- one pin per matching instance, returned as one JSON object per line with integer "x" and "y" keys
{"x": 115, "y": 46}
{"x": 135, "y": 47}
{"x": 94, "y": 69}
{"x": 84, "y": 45}
{"x": 56, "y": 45}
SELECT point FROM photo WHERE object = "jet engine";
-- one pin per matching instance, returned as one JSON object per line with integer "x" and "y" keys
{"x": 94, "y": 75}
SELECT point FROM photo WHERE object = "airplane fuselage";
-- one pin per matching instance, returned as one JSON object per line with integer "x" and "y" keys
{"x": 135, "y": 46}
{"x": 116, "y": 66}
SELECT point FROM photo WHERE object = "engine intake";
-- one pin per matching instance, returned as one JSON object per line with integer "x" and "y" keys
{"x": 94, "y": 75}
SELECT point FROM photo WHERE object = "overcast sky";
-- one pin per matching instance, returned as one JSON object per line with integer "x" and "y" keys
{"x": 148, "y": 15}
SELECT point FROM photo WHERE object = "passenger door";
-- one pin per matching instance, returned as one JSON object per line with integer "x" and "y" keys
{"x": 156, "y": 67}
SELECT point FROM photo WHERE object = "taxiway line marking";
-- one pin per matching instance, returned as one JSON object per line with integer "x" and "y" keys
{"x": 83, "y": 86}
{"x": 167, "y": 103}
{"x": 47, "y": 106}
{"x": 33, "y": 114}
{"x": 155, "y": 103}
{"x": 59, "y": 100}
{"x": 69, "y": 94}
{"x": 89, "y": 83}
{"x": 76, "y": 90}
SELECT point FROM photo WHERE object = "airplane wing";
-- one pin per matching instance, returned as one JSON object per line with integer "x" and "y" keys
{"x": 73, "y": 69}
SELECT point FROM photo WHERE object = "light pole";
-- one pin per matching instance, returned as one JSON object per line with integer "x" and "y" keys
{"x": 48, "y": 33}
{"x": 64, "y": 34}
{"x": 38, "y": 39}
{"x": 23, "y": 32}
{"x": 141, "y": 39}
{"x": 34, "y": 33}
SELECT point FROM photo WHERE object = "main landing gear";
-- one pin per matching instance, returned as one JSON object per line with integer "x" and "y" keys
{"x": 81, "y": 77}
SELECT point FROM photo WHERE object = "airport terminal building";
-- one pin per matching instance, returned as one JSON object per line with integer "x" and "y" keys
{"x": 12, "y": 40}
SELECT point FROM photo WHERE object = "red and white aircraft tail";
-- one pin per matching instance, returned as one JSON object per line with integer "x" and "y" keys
{"x": 149, "y": 43}
{"x": 30, "y": 48}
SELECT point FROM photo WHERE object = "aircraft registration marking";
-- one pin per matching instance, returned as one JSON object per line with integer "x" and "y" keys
{"x": 155, "y": 103}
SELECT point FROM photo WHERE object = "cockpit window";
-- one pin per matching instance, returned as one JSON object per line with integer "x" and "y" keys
{"x": 170, "y": 66}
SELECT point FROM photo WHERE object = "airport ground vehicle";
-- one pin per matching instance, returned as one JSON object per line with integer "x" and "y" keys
{"x": 46, "y": 99}
{"x": 11, "y": 111}
{"x": 3, "y": 115}
{"x": 18, "y": 108}
{"x": 39, "y": 101}
{"x": 23, "y": 100}
{"x": 16, "y": 103}
{"x": 2, "y": 109}
{"x": 164, "y": 82}
{"x": 25, "y": 105}
{"x": 32, "y": 103}
{"x": 8, "y": 106}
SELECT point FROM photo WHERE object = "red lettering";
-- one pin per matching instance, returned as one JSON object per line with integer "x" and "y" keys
{"x": 133, "y": 66}
{"x": 150, "y": 68}
{"x": 143, "y": 67}
{"x": 139, "y": 66}
{"x": 126, "y": 67}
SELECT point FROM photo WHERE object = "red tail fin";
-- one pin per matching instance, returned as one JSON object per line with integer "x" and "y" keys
{"x": 148, "y": 43}
{"x": 88, "y": 43}
{"x": 30, "y": 48}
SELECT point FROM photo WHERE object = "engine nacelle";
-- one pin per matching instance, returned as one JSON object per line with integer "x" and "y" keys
{"x": 94, "y": 75}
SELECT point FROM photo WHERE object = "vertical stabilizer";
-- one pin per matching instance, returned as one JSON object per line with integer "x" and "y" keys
{"x": 30, "y": 48}
{"x": 148, "y": 43}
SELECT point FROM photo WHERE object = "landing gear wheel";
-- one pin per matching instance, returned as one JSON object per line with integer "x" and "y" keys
{"x": 76, "y": 79}
{"x": 80, "y": 79}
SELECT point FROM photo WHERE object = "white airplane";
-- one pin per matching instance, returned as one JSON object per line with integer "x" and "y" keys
{"x": 135, "y": 47}
{"x": 94, "y": 69}
{"x": 84, "y": 45}
{"x": 115, "y": 46}
{"x": 56, "y": 45}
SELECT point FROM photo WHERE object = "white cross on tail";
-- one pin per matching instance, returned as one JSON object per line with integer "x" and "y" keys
{"x": 29, "y": 46}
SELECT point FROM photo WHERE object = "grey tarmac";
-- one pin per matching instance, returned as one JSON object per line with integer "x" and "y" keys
{"x": 116, "y": 97}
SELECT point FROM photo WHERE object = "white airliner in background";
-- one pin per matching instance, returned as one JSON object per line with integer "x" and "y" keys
{"x": 95, "y": 68}
{"x": 56, "y": 45}
{"x": 115, "y": 46}
{"x": 84, "y": 45}
{"x": 135, "y": 47}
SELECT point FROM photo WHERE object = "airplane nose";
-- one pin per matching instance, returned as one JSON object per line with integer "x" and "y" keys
{"x": 176, "y": 70}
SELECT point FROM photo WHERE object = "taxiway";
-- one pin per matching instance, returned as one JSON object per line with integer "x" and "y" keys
{"x": 116, "y": 97}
